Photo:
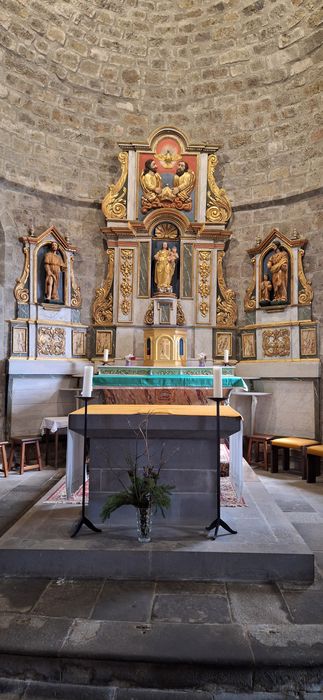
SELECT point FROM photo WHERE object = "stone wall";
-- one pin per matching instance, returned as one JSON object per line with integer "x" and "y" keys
{"x": 79, "y": 77}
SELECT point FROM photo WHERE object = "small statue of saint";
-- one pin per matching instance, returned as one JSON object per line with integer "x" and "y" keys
{"x": 265, "y": 289}
{"x": 53, "y": 264}
{"x": 165, "y": 263}
{"x": 278, "y": 267}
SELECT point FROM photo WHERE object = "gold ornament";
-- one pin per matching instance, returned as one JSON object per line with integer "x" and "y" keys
{"x": 276, "y": 342}
{"x": 102, "y": 310}
{"x": 126, "y": 269}
{"x": 218, "y": 207}
{"x": 180, "y": 316}
{"x": 250, "y": 299}
{"x": 149, "y": 315}
{"x": 51, "y": 341}
{"x": 22, "y": 294}
{"x": 76, "y": 299}
{"x": 204, "y": 283}
{"x": 226, "y": 312}
{"x": 306, "y": 295}
{"x": 166, "y": 230}
{"x": 114, "y": 205}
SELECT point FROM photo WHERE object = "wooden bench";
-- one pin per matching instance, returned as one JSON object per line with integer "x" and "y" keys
{"x": 4, "y": 466}
{"x": 24, "y": 443}
{"x": 314, "y": 453}
{"x": 287, "y": 444}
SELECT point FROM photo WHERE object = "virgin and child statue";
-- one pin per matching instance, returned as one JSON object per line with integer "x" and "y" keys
{"x": 165, "y": 263}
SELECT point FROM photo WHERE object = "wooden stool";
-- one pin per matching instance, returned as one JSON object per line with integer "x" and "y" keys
{"x": 22, "y": 443}
{"x": 4, "y": 467}
{"x": 259, "y": 441}
{"x": 287, "y": 444}
{"x": 314, "y": 454}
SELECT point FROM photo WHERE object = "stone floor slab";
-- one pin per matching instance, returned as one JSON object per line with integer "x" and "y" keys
{"x": 68, "y": 598}
{"x": 20, "y": 595}
{"x": 193, "y": 608}
{"x": 263, "y": 602}
{"x": 124, "y": 601}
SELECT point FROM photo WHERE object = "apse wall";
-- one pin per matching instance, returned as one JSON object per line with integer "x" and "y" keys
{"x": 80, "y": 76}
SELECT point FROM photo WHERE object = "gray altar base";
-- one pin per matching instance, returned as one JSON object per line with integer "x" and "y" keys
{"x": 188, "y": 446}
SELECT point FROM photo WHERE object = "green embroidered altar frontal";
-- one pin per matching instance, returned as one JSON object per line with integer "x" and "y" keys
{"x": 165, "y": 380}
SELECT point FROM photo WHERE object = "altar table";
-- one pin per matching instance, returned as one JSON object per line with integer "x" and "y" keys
{"x": 188, "y": 434}
{"x": 142, "y": 385}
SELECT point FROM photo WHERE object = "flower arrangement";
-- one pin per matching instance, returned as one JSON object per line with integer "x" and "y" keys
{"x": 202, "y": 359}
{"x": 143, "y": 490}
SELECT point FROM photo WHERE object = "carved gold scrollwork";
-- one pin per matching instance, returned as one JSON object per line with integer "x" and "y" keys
{"x": 306, "y": 294}
{"x": 226, "y": 312}
{"x": 22, "y": 294}
{"x": 276, "y": 341}
{"x": 180, "y": 316}
{"x": 102, "y": 310}
{"x": 114, "y": 205}
{"x": 218, "y": 207}
{"x": 149, "y": 315}
{"x": 250, "y": 299}
{"x": 51, "y": 341}
{"x": 76, "y": 298}
{"x": 126, "y": 268}
{"x": 204, "y": 284}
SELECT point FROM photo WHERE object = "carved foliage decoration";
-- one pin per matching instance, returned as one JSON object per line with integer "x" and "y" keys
{"x": 22, "y": 294}
{"x": 126, "y": 274}
{"x": 180, "y": 316}
{"x": 166, "y": 230}
{"x": 102, "y": 310}
{"x": 250, "y": 298}
{"x": 218, "y": 207}
{"x": 276, "y": 341}
{"x": 51, "y": 340}
{"x": 149, "y": 315}
{"x": 76, "y": 299}
{"x": 204, "y": 281}
{"x": 226, "y": 307}
{"x": 305, "y": 296}
{"x": 114, "y": 205}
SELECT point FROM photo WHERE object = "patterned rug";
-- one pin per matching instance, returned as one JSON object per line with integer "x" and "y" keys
{"x": 228, "y": 495}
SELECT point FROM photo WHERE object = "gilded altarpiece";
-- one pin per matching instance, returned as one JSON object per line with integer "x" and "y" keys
{"x": 278, "y": 302}
{"x": 48, "y": 298}
{"x": 166, "y": 231}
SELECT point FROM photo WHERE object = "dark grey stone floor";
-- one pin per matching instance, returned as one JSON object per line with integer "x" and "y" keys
{"x": 125, "y": 640}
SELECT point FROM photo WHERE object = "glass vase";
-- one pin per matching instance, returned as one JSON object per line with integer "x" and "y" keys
{"x": 144, "y": 524}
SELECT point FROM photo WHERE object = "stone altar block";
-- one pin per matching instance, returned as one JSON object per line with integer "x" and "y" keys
{"x": 187, "y": 435}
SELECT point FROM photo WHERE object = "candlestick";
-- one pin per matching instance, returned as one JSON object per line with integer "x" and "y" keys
{"x": 87, "y": 381}
{"x": 217, "y": 382}
{"x": 226, "y": 356}
{"x": 106, "y": 355}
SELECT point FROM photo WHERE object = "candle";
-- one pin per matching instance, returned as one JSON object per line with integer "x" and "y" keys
{"x": 226, "y": 356}
{"x": 217, "y": 382}
{"x": 105, "y": 355}
{"x": 87, "y": 381}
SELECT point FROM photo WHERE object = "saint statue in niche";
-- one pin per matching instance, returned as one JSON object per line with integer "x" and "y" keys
{"x": 165, "y": 263}
{"x": 278, "y": 267}
{"x": 53, "y": 264}
{"x": 274, "y": 288}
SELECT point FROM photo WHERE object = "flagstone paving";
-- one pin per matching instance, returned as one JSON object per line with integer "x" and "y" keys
{"x": 93, "y": 638}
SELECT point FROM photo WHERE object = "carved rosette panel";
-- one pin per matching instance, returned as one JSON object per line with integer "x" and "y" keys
{"x": 276, "y": 341}
{"x": 114, "y": 205}
{"x": 126, "y": 284}
{"x": 20, "y": 292}
{"x": 204, "y": 286}
{"x": 50, "y": 341}
{"x": 180, "y": 316}
{"x": 76, "y": 299}
{"x": 102, "y": 309}
{"x": 250, "y": 298}
{"x": 149, "y": 315}
{"x": 305, "y": 295}
{"x": 226, "y": 307}
{"x": 218, "y": 207}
